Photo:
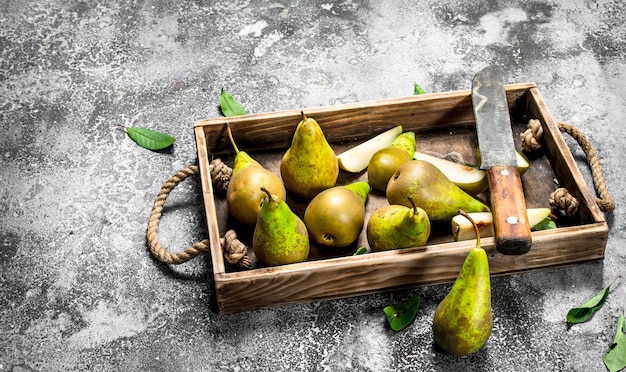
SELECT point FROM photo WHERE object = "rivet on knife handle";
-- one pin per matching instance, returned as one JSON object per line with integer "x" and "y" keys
{"x": 510, "y": 221}
{"x": 498, "y": 158}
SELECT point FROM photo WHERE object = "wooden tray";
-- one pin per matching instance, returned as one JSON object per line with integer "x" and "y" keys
{"x": 443, "y": 122}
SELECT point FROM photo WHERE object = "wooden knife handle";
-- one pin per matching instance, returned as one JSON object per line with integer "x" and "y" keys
{"x": 508, "y": 206}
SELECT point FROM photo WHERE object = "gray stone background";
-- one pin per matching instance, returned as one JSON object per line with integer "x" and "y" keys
{"x": 78, "y": 289}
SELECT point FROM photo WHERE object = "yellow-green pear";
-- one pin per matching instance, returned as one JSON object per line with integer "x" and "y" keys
{"x": 431, "y": 191}
{"x": 280, "y": 237}
{"x": 397, "y": 226}
{"x": 386, "y": 161}
{"x": 463, "y": 320}
{"x": 309, "y": 166}
{"x": 244, "y": 195}
{"x": 335, "y": 216}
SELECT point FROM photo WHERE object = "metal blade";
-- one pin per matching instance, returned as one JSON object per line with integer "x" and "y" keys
{"x": 493, "y": 123}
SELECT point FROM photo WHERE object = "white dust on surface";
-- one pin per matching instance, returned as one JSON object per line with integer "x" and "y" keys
{"x": 105, "y": 324}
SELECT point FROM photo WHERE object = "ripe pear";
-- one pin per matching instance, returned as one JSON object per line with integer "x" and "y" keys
{"x": 386, "y": 161}
{"x": 464, "y": 319}
{"x": 335, "y": 216}
{"x": 280, "y": 237}
{"x": 309, "y": 166}
{"x": 431, "y": 191}
{"x": 244, "y": 194}
{"x": 397, "y": 226}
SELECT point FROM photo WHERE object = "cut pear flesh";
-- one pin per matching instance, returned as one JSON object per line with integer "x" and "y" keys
{"x": 357, "y": 158}
{"x": 522, "y": 162}
{"x": 472, "y": 180}
{"x": 462, "y": 228}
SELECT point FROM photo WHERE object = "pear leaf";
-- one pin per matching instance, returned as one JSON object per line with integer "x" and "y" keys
{"x": 150, "y": 139}
{"x": 417, "y": 89}
{"x": 547, "y": 224}
{"x": 615, "y": 358}
{"x": 230, "y": 106}
{"x": 584, "y": 312}
{"x": 400, "y": 316}
{"x": 360, "y": 251}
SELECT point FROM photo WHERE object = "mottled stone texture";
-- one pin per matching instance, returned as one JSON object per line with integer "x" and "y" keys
{"x": 78, "y": 289}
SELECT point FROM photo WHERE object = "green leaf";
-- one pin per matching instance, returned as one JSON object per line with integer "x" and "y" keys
{"x": 150, "y": 139}
{"x": 547, "y": 224}
{"x": 400, "y": 316}
{"x": 584, "y": 312}
{"x": 360, "y": 251}
{"x": 615, "y": 359}
{"x": 417, "y": 89}
{"x": 230, "y": 106}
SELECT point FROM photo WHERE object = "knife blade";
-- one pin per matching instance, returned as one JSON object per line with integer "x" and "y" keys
{"x": 498, "y": 158}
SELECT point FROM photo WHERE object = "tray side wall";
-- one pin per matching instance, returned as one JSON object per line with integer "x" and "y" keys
{"x": 384, "y": 271}
{"x": 562, "y": 160}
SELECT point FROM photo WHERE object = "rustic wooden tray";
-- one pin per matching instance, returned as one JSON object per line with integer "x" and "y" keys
{"x": 443, "y": 122}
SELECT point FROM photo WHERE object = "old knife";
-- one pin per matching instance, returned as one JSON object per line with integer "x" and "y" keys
{"x": 498, "y": 158}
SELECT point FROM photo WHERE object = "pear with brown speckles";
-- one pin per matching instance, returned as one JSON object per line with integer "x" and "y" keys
{"x": 463, "y": 320}
{"x": 309, "y": 166}
{"x": 280, "y": 237}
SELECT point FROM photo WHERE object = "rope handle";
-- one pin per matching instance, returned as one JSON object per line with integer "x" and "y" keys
{"x": 561, "y": 198}
{"x": 156, "y": 248}
{"x": 220, "y": 176}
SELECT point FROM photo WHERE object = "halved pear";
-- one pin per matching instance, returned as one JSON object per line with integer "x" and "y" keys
{"x": 357, "y": 158}
{"x": 462, "y": 228}
{"x": 472, "y": 180}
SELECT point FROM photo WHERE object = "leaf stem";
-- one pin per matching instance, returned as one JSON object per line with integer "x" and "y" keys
{"x": 619, "y": 276}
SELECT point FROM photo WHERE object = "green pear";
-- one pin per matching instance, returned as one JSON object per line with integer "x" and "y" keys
{"x": 335, "y": 216}
{"x": 309, "y": 166}
{"x": 463, "y": 320}
{"x": 397, "y": 226}
{"x": 386, "y": 161}
{"x": 244, "y": 195}
{"x": 280, "y": 237}
{"x": 431, "y": 191}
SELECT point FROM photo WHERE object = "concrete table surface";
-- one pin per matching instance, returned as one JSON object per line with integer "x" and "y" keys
{"x": 79, "y": 290}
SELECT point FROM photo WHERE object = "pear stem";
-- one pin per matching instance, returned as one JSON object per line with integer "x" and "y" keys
{"x": 232, "y": 140}
{"x": 303, "y": 116}
{"x": 615, "y": 279}
{"x": 269, "y": 195}
{"x": 412, "y": 203}
{"x": 464, "y": 214}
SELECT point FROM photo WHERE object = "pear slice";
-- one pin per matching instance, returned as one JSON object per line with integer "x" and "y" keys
{"x": 357, "y": 158}
{"x": 462, "y": 228}
{"x": 471, "y": 180}
{"x": 522, "y": 161}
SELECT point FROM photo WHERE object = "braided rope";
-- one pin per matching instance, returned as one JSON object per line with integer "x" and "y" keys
{"x": 157, "y": 250}
{"x": 531, "y": 141}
